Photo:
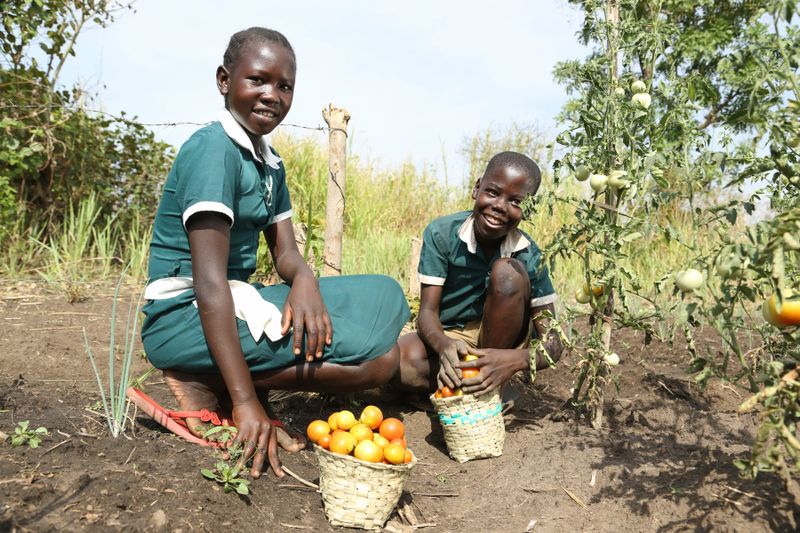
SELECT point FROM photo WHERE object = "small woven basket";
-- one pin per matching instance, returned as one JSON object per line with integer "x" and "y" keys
{"x": 473, "y": 425}
{"x": 356, "y": 493}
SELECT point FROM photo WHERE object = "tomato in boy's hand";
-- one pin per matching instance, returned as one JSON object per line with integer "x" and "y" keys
{"x": 467, "y": 373}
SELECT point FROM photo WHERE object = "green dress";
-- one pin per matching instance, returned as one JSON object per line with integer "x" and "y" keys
{"x": 219, "y": 170}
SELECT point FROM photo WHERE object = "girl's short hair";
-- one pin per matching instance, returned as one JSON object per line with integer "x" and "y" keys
{"x": 256, "y": 34}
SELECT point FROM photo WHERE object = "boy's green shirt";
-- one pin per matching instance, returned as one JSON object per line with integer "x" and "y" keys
{"x": 450, "y": 257}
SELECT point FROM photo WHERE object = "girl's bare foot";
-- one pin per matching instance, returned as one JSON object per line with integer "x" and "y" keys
{"x": 194, "y": 392}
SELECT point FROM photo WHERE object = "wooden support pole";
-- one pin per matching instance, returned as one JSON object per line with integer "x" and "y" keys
{"x": 337, "y": 119}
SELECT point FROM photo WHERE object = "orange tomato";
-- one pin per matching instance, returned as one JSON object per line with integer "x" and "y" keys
{"x": 467, "y": 373}
{"x": 332, "y": 421}
{"x": 371, "y": 416}
{"x": 392, "y": 428}
{"x": 401, "y": 441}
{"x": 361, "y": 432}
{"x": 342, "y": 442}
{"x": 380, "y": 440}
{"x": 446, "y": 391}
{"x": 324, "y": 441}
{"x": 408, "y": 457}
{"x": 394, "y": 453}
{"x": 366, "y": 450}
{"x": 789, "y": 314}
{"x": 317, "y": 429}
{"x": 345, "y": 420}
{"x": 438, "y": 393}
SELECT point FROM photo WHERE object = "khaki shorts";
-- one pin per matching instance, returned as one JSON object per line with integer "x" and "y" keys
{"x": 471, "y": 333}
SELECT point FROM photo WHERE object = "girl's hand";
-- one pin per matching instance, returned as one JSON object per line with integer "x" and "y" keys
{"x": 448, "y": 359}
{"x": 305, "y": 311}
{"x": 257, "y": 437}
{"x": 496, "y": 367}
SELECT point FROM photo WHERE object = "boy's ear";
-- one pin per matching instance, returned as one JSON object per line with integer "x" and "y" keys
{"x": 475, "y": 188}
{"x": 223, "y": 77}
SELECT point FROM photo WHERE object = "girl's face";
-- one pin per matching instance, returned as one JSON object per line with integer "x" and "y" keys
{"x": 259, "y": 87}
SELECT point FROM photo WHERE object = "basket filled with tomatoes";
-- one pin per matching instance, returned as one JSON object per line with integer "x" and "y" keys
{"x": 473, "y": 426}
{"x": 363, "y": 465}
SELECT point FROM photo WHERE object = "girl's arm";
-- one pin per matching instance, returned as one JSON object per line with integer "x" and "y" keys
{"x": 209, "y": 241}
{"x": 430, "y": 330}
{"x": 304, "y": 310}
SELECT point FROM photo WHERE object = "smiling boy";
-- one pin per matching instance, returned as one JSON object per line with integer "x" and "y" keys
{"x": 484, "y": 288}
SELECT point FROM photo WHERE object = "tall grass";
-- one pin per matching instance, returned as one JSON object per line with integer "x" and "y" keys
{"x": 385, "y": 207}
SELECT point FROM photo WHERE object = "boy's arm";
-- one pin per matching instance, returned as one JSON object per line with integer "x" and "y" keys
{"x": 551, "y": 340}
{"x": 430, "y": 330}
{"x": 498, "y": 365}
{"x": 304, "y": 309}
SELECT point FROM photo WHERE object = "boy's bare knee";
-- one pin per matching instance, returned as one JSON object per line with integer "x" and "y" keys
{"x": 508, "y": 277}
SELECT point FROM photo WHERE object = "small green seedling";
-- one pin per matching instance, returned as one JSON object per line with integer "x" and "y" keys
{"x": 23, "y": 435}
{"x": 228, "y": 476}
{"x": 221, "y": 434}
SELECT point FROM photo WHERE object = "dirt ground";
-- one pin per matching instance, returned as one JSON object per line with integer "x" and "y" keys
{"x": 663, "y": 463}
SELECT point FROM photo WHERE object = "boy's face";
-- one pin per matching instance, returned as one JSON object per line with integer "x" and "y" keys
{"x": 498, "y": 202}
{"x": 260, "y": 86}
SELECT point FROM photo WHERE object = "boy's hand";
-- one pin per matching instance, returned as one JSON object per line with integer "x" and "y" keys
{"x": 305, "y": 311}
{"x": 496, "y": 367}
{"x": 448, "y": 359}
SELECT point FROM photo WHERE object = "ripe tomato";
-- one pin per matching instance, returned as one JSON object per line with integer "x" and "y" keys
{"x": 394, "y": 453}
{"x": 317, "y": 429}
{"x": 380, "y": 440}
{"x": 789, "y": 314}
{"x": 401, "y": 441}
{"x": 392, "y": 428}
{"x": 332, "y": 421}
{"x": 371, "y": 416}
{"x": 342, "y": 442}
{"x": 467, "y": 373}
{"x": 446, "y": 391}
{"x": 438, "y": 393}
{"x": 324, "y": 441}
{"x": 408, "y": 457}
{"x": 366, "y": 450}
{"x": 345, "y": 420}
{"x": 361, "y": 432}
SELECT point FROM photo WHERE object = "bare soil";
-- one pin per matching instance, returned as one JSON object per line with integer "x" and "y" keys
{"x": 664, "y": 462}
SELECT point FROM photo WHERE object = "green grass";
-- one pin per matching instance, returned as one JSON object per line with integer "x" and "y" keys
{"x": 385, "y": 208}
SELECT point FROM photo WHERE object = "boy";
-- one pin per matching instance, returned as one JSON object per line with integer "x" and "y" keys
{"x": 483, "y": 288}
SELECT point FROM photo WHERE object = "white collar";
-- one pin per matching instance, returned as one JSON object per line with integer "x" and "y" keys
{"x": 235, "y": 131}
{"x": 514, "y": 241}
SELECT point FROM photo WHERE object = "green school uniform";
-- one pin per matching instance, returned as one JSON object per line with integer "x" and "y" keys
{"x": 219, "y": 170}
{"x": 451, "y": 258}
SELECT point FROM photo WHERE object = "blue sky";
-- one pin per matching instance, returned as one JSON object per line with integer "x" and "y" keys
{"x": 417, "y": 77}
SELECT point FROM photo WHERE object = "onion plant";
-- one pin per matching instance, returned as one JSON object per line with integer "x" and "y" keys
{"x": 115, "y": 402}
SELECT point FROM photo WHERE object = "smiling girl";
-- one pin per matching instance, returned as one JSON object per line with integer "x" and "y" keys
{"x": 221, "y": 341}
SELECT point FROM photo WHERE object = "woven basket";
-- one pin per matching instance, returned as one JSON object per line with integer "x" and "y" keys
{"x": 357, "y": 493}
{"x": 473, "y": 425}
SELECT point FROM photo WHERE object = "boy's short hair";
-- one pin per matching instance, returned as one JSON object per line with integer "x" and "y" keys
{"x": 520, "y": 162}
{"x": 256, "y": 34}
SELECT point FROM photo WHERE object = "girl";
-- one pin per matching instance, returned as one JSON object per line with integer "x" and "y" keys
{"x": 219, "y": 340}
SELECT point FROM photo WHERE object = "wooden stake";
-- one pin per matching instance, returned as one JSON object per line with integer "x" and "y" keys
{"x": 337, "y": 119}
